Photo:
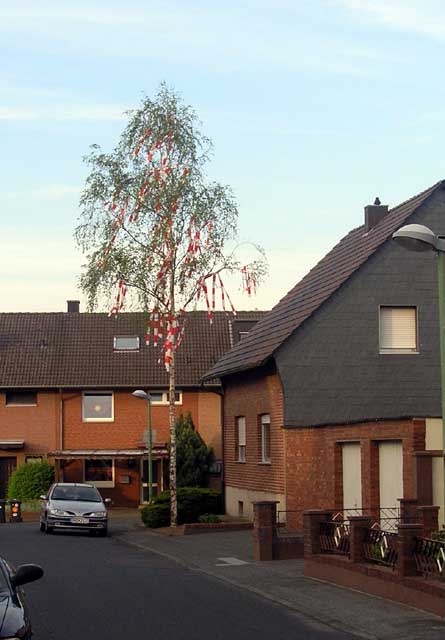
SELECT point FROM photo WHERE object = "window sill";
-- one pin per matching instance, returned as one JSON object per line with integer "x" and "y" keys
{"x": 266, "y": 463}
{"x": 98, "y": 420}
{"x": 398, "y": 352}
{"x": 20, "y": 405}
{"x": 101, "y": 484}
{"x": 240, "y": 461}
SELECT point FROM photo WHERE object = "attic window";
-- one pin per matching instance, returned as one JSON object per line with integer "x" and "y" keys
{"x": 398, "y": 330}
{"x": 126, "y": 343}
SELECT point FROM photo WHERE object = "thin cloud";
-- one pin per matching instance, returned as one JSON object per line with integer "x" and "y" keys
{"x": 46, "y": 192}
{"x": 63, "y": 113}
{"x": 413, "y": 17}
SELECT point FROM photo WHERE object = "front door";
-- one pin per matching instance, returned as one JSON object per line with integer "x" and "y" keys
{"x": 156, "y": 479}
{"x": 7, "y": 466}
{"x": 390, "y": 474}
{"x": 352, "y": 476}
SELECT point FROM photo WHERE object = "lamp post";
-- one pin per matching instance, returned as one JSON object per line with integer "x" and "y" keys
{"x": 417, "y": 237}
{"x": 142, "y": 395}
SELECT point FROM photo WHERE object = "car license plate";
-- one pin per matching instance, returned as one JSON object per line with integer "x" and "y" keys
{"x": 80, "y": 520}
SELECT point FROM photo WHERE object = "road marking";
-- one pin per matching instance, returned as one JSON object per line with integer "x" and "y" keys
{"x": 230, "y": 562}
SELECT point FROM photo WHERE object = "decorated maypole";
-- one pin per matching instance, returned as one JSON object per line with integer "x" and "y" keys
{"x": 155, "y": 231}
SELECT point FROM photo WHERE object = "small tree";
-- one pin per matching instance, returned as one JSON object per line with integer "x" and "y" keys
{"x": 193, "y": 457}
{"x": 152, "y": 223}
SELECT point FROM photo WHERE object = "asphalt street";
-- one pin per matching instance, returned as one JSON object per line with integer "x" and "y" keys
{"x": 102, "y": 588}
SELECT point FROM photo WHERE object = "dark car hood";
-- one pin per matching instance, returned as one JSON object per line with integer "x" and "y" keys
{"x": 12, "y": 616}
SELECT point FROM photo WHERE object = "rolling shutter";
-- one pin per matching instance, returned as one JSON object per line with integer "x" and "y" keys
{"x": 398, "y": 329}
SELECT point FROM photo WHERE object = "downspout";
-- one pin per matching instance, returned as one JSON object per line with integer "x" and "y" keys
{"x": 61, "y": 420}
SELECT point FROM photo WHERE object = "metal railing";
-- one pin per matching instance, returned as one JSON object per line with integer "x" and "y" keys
{"x": 385, "y": 518}
{"x": 284, "y": 522}
{"x": 334, "y": 537}
{"x": 380, "y": 547}
{"x": 430, "y": 557}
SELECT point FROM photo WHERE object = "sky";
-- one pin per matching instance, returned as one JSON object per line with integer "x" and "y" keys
{"x": 315, "y": 107}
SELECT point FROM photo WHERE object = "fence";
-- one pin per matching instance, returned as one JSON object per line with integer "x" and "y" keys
{"x": 430, "y": 557}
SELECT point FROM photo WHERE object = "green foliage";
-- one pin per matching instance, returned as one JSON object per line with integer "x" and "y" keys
{"x": 129, "y": 214}
{"x": 209, "y": 518}
{"x": 30, "y": 481}
{"x": 193, "y": 457}
{"x": 193, "y": 502}
{"x": 156, "y": 515}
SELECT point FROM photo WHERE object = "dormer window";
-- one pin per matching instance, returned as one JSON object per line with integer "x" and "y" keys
{"x": 126, "y": 343}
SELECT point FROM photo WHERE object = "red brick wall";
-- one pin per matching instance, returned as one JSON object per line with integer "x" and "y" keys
{"x": 251, "y": 395}
{"x": 130, "y": 422}
{"x": 313, "y": 461}
{"x": 36, "y": 425}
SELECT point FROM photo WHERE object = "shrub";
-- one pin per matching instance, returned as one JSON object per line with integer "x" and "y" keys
{"x": 193, "y": 457}
{"x": 193, "y": 502}
{"x": 156, "y": 515}
{"x": 30, "y": 481}
{"x": 209, "y": 518}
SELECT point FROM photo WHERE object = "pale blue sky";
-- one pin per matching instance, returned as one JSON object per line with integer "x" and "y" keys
{"x": 314, "y": 107}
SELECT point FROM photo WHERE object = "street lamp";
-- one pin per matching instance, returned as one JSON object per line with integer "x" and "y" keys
{"x": 142, "y": 395}
{"x": 417, "y": 237}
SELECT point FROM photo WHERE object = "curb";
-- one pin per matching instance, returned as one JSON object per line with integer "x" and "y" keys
{"x": 333, "y": 624}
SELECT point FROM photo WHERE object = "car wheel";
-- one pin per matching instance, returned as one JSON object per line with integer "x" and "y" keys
{"x": 49, "y": 529}
{"x": 42, "y": 526}
{"x": 103, "y": 533}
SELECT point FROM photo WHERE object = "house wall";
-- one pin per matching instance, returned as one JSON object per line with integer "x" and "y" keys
{"x": 130, "y": 421}
{"x": 314, "y": 475}
{"x": 331, "y": 367}
{"x": 251, "y": 395}
{"x": 36, "y": 425}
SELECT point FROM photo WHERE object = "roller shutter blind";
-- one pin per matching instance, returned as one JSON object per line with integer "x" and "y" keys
{"x": 398, "y": 329}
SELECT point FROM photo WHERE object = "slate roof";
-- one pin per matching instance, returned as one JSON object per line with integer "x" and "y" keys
{"x": 75, "y": 350}
{"x": 314, "y": 289}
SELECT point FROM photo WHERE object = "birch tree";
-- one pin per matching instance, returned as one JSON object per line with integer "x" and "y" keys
{"x": 156, "y": 231}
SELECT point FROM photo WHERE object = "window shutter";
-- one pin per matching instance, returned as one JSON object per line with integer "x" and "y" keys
{"x": 398, "y": 329}
{"x": 241, "y": 431}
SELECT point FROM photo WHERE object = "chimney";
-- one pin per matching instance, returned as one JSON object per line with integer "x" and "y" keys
{"x": 73, "y": 306}
{"x": 374, "y": 213}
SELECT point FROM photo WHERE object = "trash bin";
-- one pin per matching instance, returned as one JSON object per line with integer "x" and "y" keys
{"x": 2, "y": 511}
{"x": 15, "y": 514}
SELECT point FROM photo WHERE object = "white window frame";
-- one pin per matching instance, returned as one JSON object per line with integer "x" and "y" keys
{"x": 241, "y": 442}
{"x": 265, "y": 420}
{"x": 105, "y": 484}
{"x": 97, "y": 393}
{"x": 164, "y": 400}
{"x": 127, "y": 349}
{"x": 399, "y": 350}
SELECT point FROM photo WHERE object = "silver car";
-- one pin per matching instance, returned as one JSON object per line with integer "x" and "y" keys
{"x": 74, "y": 506}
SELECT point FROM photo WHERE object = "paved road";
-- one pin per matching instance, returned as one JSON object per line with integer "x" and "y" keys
{"x": 103, "y": 589}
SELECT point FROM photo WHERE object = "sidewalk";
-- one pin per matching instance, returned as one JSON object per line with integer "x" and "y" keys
{"x": 228, "y": 556}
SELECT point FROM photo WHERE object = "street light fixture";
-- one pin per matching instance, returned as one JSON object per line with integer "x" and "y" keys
{"x": 142, "y": 395}
{"x": 417, "y": 237}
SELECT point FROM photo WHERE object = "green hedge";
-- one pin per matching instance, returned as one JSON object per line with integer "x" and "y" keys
{"x": 193, "y": 502}
{"x": 30, "y": 481}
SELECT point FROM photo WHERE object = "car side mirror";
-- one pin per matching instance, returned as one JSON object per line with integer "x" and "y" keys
{"x": 107, "y": 501}
{"x": 42, "y": 497}
{"x": 26, "y": 573}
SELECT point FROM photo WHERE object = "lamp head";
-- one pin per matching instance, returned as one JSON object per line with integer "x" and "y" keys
{"x": 416, "y": 237}
{"x": 140, "y": 394}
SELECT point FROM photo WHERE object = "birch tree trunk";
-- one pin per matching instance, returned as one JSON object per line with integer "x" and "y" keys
{"x": 172, "y": 421}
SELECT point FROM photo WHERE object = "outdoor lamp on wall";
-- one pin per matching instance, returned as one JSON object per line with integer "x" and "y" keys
{"x": 417, "y": 237}
{"x": 143, "y": 395}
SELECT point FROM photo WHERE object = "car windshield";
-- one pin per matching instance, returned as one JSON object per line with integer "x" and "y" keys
{"x": 73, "y": 493}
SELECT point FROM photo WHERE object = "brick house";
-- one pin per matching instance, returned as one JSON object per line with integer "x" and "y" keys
{"x": 333, "y": 399}
{"x": 65, "y": 394}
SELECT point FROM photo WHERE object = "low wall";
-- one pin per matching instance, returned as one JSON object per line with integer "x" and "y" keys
{"x": 268, "y": 543}
{"x": 378, "y": 581}
{"x": 349, "y": 563}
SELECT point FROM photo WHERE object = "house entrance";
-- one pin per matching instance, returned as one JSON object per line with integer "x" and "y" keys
{"x": 352, "y": 475}
{"x": 156, "y": 478}
{"x": 390, "y": 473}
{"x": 7, "y": 466}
